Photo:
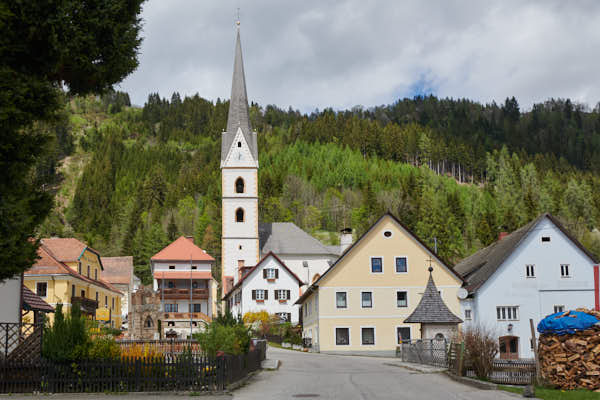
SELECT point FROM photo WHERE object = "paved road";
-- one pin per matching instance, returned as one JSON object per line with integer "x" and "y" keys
{"x": 320, "y": 376}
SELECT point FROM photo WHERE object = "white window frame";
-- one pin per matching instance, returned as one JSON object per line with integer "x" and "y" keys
{"x": 361, "y": 299}
{"x": 530, "y": 270}
{"x": 558, "y": 306}
{"x": 374, "y": 335}
{"x": 335, "y": 299}
{"x": 262, "y": 294}
{"x": 504, "y": 315}
{"x": 270, "y": 273}
{"x": 371, "y": 265}
{"x": 395, "y": 267}
{"x": 567, "y": 269}
{"x": 335, "y": 328}
{"x": 280, "y": 296}
{"x": 402, "y": 326}
{"x": 470, "y": 316}
{"x": 405, "y": 291}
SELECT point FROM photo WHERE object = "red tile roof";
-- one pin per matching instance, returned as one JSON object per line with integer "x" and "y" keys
{"x": 182, "y": 275}
{"x": 48, "y": 264}
{"x": 33, "y": 302}
{"x": 66, "y": 249}
{"x": 182, "y": 249}
{"x": 117, "y": 270}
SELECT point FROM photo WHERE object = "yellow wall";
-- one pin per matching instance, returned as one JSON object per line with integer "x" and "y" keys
{"x": 60, "y": 288}
{"x": 353, "y": 275}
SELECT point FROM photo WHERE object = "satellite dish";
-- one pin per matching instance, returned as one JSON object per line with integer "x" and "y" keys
{"x": 462, "y": 293}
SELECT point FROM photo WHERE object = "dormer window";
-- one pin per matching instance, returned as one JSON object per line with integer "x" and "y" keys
{"x": 270, "y": 273}
{"x": 545, "y": 238}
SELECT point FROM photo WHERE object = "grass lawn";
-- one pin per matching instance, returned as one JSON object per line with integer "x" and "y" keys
{"x": 555, "y": 394}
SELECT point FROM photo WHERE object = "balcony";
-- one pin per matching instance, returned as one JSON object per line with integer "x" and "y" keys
{"x": 197, "y": 294}
{"x": 88, "y": 306}
{"x": 187, "y": 316}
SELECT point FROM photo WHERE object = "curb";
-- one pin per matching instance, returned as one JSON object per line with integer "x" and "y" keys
{"x": 240, "y": 383}
{"x": 472, "y": 382}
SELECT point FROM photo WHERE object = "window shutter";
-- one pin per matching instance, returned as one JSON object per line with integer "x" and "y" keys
{"x": 266, "y": 294}
{"x": 287, "y": 294}
{"x": 289, "y": 317}
{"x": 264, "y": 273}
{"x": 276, "y": 294}
{"x": 277, "y": 274}
{"x": 254, "y": 295}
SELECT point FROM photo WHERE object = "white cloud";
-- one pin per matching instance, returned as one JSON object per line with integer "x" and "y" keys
{"x": 317, "y": 53}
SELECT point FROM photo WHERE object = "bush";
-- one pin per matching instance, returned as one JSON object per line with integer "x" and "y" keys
{"x": 104, "y": 348}
{"x": 481, "y": 347}
{"x": 67, "y": 339}
{"x": 229, "y": 339}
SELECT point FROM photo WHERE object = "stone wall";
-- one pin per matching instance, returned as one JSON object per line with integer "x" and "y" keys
{"x": 144, "y": 317}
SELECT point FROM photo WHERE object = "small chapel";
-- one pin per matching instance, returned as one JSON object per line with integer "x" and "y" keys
{"x": 245, "y": 240}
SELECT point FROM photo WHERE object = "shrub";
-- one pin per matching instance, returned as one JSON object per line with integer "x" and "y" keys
{"x": 67, "y": 339}
{"x": 229, "y": 339}
{"x": 481, "y": 347}
{"x": 104, "y": 348}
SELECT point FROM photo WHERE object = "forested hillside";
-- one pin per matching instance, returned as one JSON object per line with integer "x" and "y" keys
{"x": 455, "y": 171}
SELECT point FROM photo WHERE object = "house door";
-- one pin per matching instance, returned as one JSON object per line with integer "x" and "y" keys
{"x": 509, "y": 347}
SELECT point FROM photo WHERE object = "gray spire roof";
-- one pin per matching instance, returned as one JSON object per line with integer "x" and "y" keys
{"x": 432, "y": 309}
{"x": 239, "y": 115}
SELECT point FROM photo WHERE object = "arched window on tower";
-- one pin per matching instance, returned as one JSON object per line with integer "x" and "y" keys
{"x": 239, "y": 185}
{"x": 239, "y": 215}
{"x": 239, "y": 144}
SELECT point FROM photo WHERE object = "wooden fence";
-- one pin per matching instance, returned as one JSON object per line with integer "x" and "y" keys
{"x": 169, "y": 373}
{"x": 164, "y": 346}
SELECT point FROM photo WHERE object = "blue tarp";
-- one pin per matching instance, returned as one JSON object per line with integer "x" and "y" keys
{"x": 575, "y": 321}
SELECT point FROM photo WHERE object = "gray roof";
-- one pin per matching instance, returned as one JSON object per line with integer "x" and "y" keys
{"x": 239, "y": 115}
{"x": 479, "y": 267}
{"x": 287, "y": 238}
{"x": 432, "y": 309}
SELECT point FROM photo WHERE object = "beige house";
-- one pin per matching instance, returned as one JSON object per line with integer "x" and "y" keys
{"x": 359, "y": 305}
{"x": 118, "y": 271}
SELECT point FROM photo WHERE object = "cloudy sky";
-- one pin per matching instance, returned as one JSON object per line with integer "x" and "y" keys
{"x": 315, "y": 53}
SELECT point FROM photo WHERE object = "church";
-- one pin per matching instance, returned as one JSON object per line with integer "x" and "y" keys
{"x": 245, "y": 241}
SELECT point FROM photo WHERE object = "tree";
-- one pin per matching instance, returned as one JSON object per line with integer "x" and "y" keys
{"x": 172, "y": 230}
{"x": 45, "y": 45}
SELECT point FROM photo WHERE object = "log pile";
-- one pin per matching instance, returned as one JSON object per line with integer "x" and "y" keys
{"x": 572, "y": 361}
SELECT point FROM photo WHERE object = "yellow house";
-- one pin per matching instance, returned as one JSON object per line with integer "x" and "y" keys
{"x": 359, "y": 305}
{"x": 68, "y": 272}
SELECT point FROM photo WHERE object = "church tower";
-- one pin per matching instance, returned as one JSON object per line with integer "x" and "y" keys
{"x": 239, "y": 180}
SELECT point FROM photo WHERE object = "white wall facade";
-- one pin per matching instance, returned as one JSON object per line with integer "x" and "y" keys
{"x": 255, "y": 281}
{"x": 10, "y": 298}
{"x": 535, "y": 296}
{"x": 317, "y": 264}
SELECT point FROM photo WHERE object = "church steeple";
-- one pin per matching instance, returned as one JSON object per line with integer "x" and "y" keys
{"x": 239, "y": 115}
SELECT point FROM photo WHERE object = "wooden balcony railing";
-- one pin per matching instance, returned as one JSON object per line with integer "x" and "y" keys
{"x": 183, "y": 293}
{"x": 88, "y": 306}
{"x": 187, "y": 316}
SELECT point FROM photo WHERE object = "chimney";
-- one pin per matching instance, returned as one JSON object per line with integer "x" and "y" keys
{"x": 190, "y": 238}
{"x": 502, "y": 235}
{"x": 345, "y": 239}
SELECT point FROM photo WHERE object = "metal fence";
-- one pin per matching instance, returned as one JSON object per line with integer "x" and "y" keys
{"x": 164, "y": 346}
{"x": 183, "y": 372}
{"x": 425, "y": 351}
{"x": 511, "y": 372}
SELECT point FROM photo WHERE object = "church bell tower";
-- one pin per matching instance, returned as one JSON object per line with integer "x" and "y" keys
{"x": 239, "y": 180}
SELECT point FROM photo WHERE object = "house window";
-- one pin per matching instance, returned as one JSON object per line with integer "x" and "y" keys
{"x": 239, "y": 215}
{"x": 530, "y": 271}
{"x": 171, "y": 307}
{"x": 171, "y": 267}
{"x": 545, "y": 238}
{"x": 79, "y": 267}
{"x": 367, "y": 336}
{"x": 170, "y": 323}
{"x": 106, "y": 301}
{"x": 401, "y": 299}
{"x": 239, "y": 144}
{"x": 41, "y": 288}
{"x": 403, "y": 334}
{"x": 342, "y": 336}
{"x": 564, "y": 271}
{"x": 559, "y": 309}
{"x": 468, "y": 314}
{"x": 194, "y": 285}
{"x": 376, "y": 265}
{"x": 96, "y": 297}
{"x": 194, "y": 267}
{"x": 196, "y": 307}
{"x": 96, "y": 274}
{"x": 367, "y": 299}
{"x": 282, "y": 294}
{"x": 83, "y": 294}
{"x": 113, "y": 303}
{"x": 260, "y": 294}
{"x": 387, "y": 234}
{"x": 401, "y": 265}
{"x": 270, "y": 273}
{"x": 170, "y": 285}
{"x": 239, "y": 185}
{"x": 148, "y": 323}
{"x": 340, "y": 300}
{"x": 88, "y": 271}
{"x": 507, "y": 313}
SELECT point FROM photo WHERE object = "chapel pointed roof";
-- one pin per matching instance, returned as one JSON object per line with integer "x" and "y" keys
{"x": 432, "y": 309}
{"x": 239, "y": 114}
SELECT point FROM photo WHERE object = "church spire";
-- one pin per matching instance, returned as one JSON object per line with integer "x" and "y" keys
{"x": 239, "y": 115}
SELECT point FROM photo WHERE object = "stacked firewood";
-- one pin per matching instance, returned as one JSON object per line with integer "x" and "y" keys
{"x": 572, "y": 361}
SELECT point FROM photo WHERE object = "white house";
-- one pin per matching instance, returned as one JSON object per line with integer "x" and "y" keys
{"x": 270, "y": 286}
{"x": 535, "y": 271}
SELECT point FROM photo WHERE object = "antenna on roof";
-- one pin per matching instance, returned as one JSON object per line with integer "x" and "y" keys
{"x": 237, "y": 21}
